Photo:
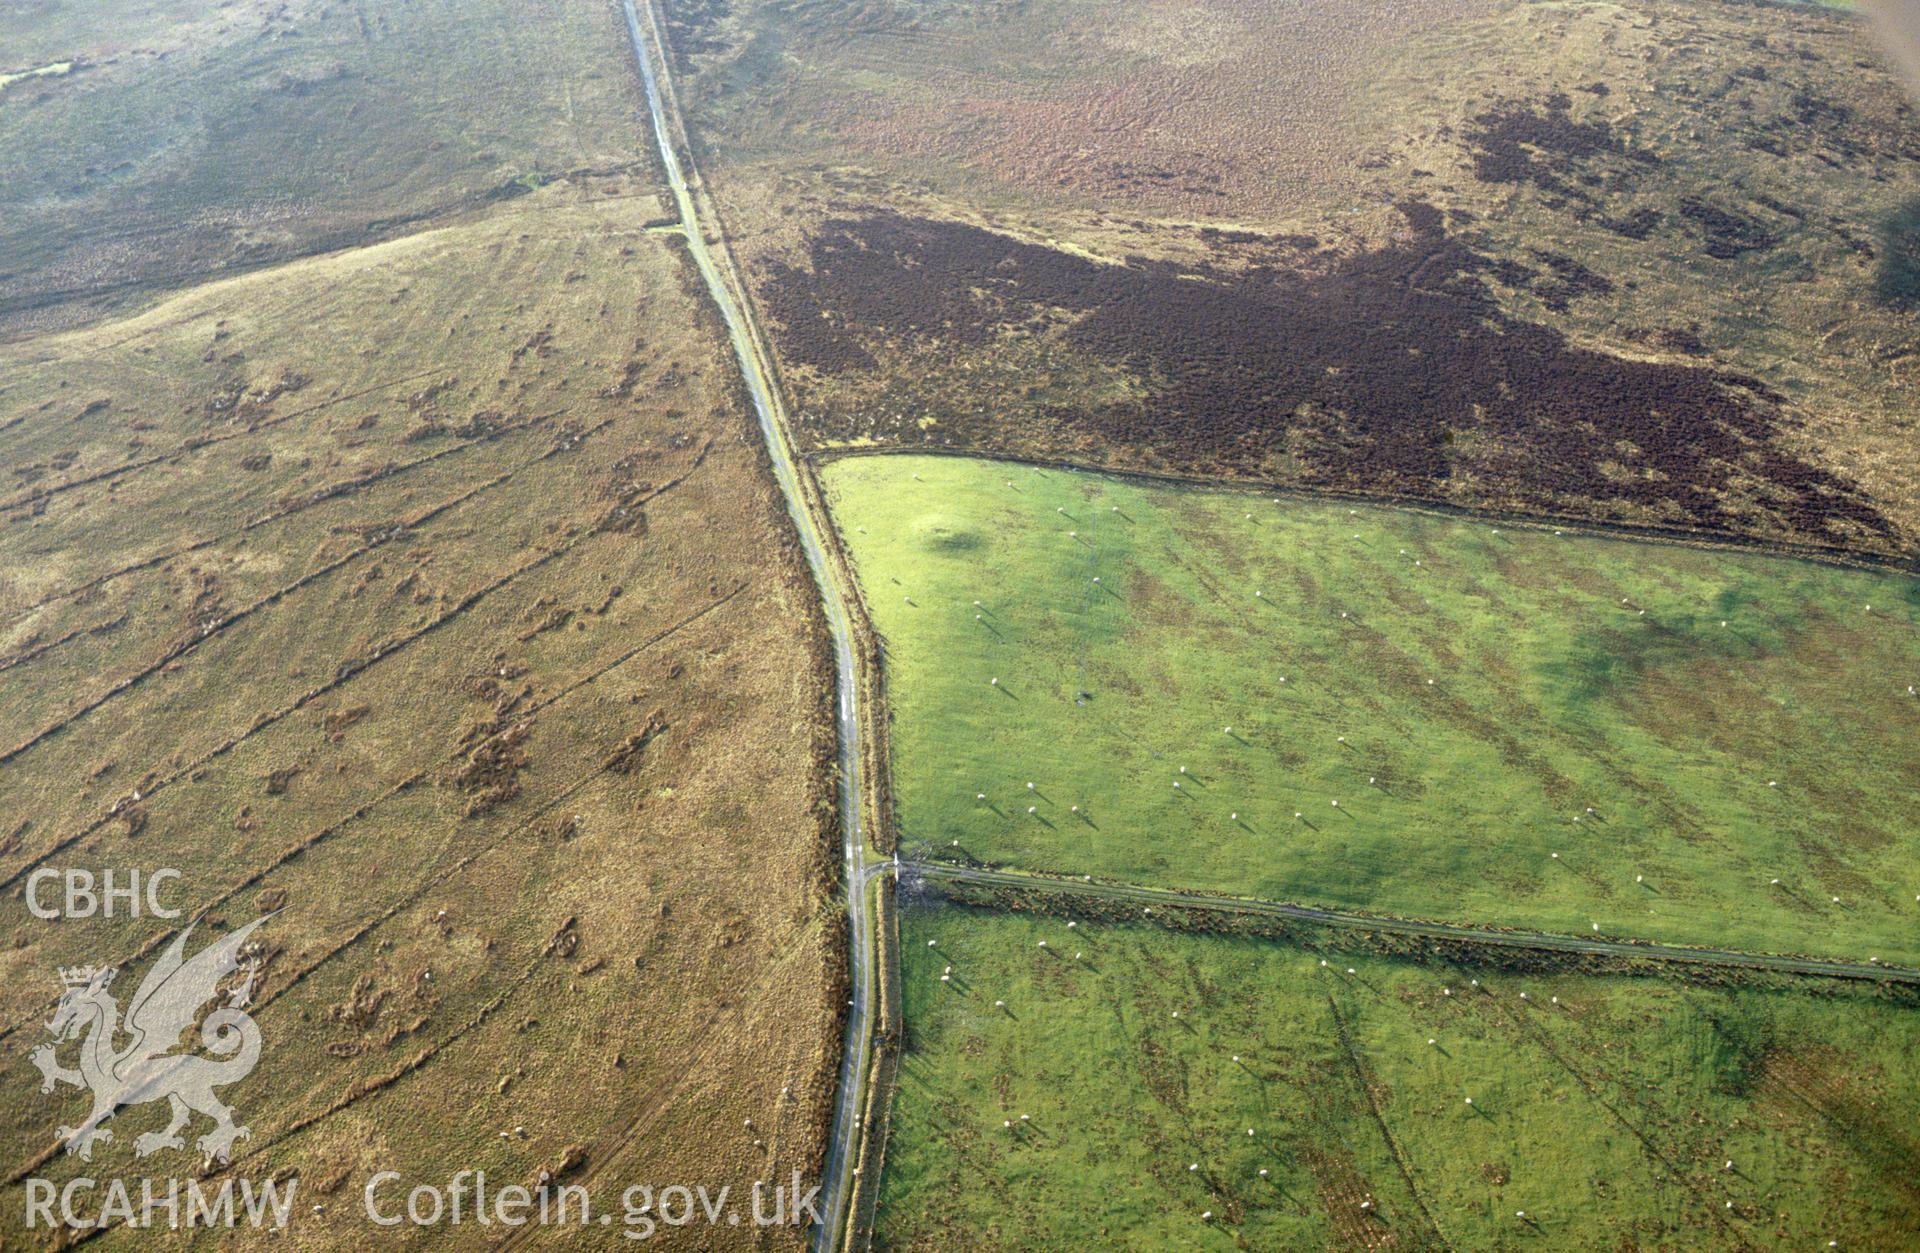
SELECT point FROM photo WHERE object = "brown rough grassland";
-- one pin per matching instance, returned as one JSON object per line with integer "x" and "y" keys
{"x": 436, "y": 594}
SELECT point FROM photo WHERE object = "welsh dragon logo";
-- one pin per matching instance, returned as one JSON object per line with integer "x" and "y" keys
{"x": 166, "y": 1004}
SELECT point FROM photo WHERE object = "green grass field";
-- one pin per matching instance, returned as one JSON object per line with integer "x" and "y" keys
{"x": 1607, "y": 1114}
{"x": 1476, "y": 698}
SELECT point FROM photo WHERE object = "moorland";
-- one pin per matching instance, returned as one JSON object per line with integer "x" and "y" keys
{"x": 185, "y": 140}
{"x": 1645, "y": 262}
{"x": 386, "y": 545}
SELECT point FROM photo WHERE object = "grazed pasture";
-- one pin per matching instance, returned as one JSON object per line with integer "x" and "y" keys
{"x": 1097, "y": 1084}
{"x": 1374, "y": 708}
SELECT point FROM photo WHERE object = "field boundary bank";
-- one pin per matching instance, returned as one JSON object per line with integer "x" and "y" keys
{"x": 1679, "y": 537}
{"x": 325, "y": 494}
{"x": 268, "y": 601}
{"x": 1614, "y": 956}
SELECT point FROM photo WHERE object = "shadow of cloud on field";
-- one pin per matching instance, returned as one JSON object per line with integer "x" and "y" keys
{"x": 1391, "y": 370}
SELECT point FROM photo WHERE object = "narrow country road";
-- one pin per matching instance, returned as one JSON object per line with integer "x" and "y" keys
{"x": 1540, "y": 941}
{"x": 844, "y": 1142}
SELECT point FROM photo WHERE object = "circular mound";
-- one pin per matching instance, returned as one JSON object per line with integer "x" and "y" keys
{"x": 944, "y": 533}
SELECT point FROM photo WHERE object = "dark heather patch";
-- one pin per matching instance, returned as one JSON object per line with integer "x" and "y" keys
{"x": 1521, "y": 143}
{"x": 1727, "y": 234}
{"x": 1636, "y": 225}
{"x": 1217, "y": 237}
{"x": 1898, "y": 282}
{"x": 1684, "y": 339}
{"x": 1386, "y": 371}
{"x": 693, "y": 29}
{"x": 1814, "y": 111}
{"x": 1812, "y": 123}
{"x": 1569, "y": 281}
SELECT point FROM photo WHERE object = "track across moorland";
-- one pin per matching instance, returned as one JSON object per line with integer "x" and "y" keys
{"x": 1539, "y": 941}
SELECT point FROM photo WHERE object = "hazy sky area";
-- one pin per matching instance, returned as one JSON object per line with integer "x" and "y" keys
{"x": 1899, "y": 23}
